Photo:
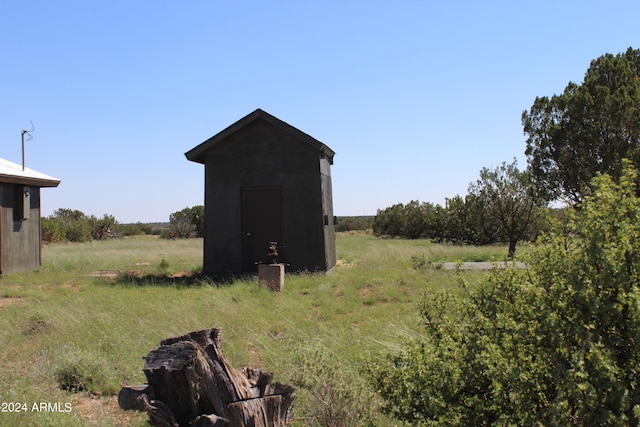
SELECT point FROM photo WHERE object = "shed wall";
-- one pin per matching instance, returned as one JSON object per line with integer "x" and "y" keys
{"x": 327, "y": 206}
{"x": 263, "y": 155}
{"x": 20, "y": 238}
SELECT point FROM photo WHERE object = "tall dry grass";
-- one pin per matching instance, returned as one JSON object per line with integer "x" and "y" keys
{"x": 70, "y": 337}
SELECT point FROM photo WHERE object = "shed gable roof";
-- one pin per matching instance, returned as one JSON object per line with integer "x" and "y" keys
{"x": 197, "y": 154}
{"x": 12, "y": 173}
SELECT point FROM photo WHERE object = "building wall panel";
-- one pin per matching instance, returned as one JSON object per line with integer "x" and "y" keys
{"x": 20, "y": 222}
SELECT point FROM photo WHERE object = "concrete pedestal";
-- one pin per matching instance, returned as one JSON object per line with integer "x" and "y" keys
{"x": 272, "y": 276}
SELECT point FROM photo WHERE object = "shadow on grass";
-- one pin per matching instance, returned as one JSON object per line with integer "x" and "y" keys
{"x": 190, "y": 280}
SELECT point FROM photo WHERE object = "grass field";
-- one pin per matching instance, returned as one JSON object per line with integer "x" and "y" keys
{"x": 68, "y": 327}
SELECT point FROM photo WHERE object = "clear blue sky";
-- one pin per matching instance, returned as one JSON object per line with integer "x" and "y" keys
{"x": 414, "y": 96}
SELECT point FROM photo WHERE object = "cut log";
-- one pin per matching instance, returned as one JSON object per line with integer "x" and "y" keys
{"x": 190, "y": 383}
{"x": 210, "y": 421}
{"x": 130, "y": 397}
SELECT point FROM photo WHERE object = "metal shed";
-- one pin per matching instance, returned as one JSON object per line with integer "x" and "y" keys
{"x": 266, "y": 181}
{"x": 20, "y": 244}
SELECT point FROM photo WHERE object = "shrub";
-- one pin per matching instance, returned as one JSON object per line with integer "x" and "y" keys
{"x": 188, "y": 222}
{"x": 553, "y": 345}
{"x": 81, "y": 370}
{"x": 354, "y": 223}
{"x": 163, "y": 266}
{"x": 50, "y": 231}
{"x": 74, "y": 226}
{"x": 179, "y": 228}
{"x": 391, "y": 221}
{"x": 137, "y": 229}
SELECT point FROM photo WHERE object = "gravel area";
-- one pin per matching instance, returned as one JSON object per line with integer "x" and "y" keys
{"x": 482, "y": 265}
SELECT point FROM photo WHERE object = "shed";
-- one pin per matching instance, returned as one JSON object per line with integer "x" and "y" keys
{"x": 266, "y": 181}
{"x": 20, "y": 244}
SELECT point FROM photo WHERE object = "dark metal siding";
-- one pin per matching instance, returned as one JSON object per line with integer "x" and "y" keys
{"x": 264, "y": 155}
{"x": 20, "y": 238}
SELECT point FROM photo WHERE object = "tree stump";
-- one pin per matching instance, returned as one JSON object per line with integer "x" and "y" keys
{"x": 190, "y": 383}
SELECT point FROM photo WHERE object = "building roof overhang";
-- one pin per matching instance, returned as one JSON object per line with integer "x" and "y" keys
{"x": 13, "y": 173}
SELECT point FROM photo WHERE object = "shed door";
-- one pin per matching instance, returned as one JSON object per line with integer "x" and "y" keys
{"x": 262, "y": 218}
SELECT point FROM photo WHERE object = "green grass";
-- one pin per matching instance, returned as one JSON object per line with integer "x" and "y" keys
{"x": 67, "y": 336}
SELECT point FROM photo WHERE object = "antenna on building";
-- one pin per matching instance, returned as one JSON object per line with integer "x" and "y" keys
{"x": 27, "y": 132}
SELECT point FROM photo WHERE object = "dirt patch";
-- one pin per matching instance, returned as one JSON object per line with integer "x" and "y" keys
{"x": 70, "y": 286}
{"x": 178, "y": 274}
{"x": 344, "y": 264}
{"x": 254, "y": 355}
{"x": 6, "y": 301}
{"x": 112, "y": 274}
{"x": 482, "y": 265}
{"x": 366, "y": 291}
{"x": 36, "y": 326}
{"x": 105, "y": 273}
{"x": 95, "y": 410}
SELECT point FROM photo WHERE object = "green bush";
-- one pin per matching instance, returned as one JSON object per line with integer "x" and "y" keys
{"x": 179, "y": 228}
{"x": 83, "y": 370}
{"x": 51, "y": 231}
{"x": 186, "y": 223}
{"x": 354, "y": 223}
{"x": 163, "y": 266}
{"x": 74, "y": 226}
{"x": 391, "y": 221}
{"x": 138, "y": 229}
{"x": 556, "y": 344}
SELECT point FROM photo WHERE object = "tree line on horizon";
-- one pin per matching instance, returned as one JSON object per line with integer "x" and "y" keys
{"x": 499, "y": 208}
{"x": 72, "y": 225}
{"x": 589, "y": 129}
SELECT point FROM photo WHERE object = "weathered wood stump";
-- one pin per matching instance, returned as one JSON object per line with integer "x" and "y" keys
{"x": 190, "y": 383}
